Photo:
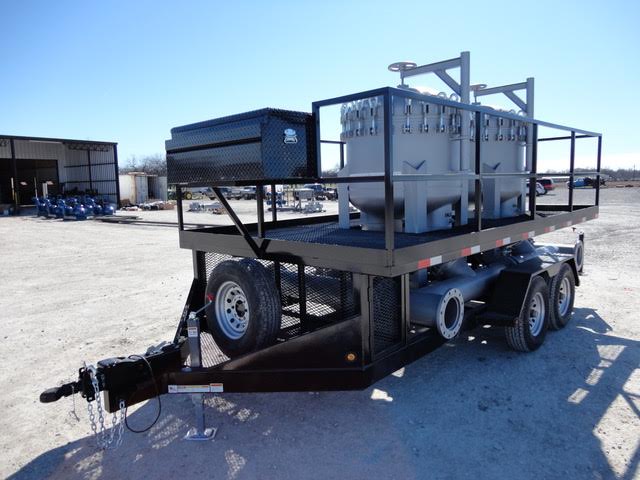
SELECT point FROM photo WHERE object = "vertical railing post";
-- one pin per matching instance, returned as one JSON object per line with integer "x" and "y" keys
{"x": 572, "y": 162}
{"x": 315, "y": 112}
{"x": 478, "y": 170}
{"x": 302, "y": 295}
{"x": 533, "y": 198}
{"x": 274, "y": 203}
{"x": 179, "y": 207}
{"x": 260, "y": 207}
{"x": 389, "y": 222}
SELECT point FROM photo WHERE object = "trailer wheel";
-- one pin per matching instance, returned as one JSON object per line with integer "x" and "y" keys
{"x": 579, "y": 255}
{"x": 561, "y": 296}
{"x": 530, "y": 328}
{"x": 245, "y": 313}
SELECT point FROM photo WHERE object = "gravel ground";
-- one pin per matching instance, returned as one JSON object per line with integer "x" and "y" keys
{"x": 73, "y": 291}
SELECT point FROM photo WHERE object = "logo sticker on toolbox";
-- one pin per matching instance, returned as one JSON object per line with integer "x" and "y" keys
{"x": 290, "y": 136}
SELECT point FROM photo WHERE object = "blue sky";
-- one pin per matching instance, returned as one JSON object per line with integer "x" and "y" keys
{"x": 128, "y": 71}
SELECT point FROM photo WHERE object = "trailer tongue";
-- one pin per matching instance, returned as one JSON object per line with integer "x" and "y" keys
{"x": 443, "y": 241}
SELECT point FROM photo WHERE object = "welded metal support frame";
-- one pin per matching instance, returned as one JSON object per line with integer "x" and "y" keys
{"x": 463, "y": 62}
{"x": 391, "y": 260}
{"x": 510, "y": 92}
{"x": 239, "y": 225}
{"x": 287, "y": 366}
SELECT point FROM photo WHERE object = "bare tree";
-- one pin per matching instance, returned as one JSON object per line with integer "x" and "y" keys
{"x": 154, "y": 164}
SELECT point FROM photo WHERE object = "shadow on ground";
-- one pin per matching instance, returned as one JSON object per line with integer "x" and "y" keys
{"x": 473, "y": 409}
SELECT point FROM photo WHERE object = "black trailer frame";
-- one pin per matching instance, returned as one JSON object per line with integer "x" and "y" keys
{"x": 369, "y": 333}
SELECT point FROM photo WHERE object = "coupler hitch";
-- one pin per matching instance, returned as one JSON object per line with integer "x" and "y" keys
{"x": 131, "y": 379}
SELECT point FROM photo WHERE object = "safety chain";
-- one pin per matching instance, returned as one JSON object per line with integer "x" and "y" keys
{"x": 113, "y": 438}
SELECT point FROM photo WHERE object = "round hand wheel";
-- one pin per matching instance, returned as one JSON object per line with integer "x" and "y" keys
{"x": 402, "y": 66}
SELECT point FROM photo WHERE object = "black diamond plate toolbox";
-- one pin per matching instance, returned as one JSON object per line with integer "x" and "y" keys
{"x": 262, "y": 145}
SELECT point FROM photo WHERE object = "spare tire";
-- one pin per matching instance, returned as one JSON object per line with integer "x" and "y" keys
{"x": 245, "y": 313}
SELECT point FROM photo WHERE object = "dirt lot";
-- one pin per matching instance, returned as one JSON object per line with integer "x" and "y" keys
{"x": 73, "y": 291}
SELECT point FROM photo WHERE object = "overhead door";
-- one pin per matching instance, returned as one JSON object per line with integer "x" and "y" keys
{"x": 32, "y": 174}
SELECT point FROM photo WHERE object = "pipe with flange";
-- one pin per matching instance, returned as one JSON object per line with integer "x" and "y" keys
{"x": 441, "y": 304}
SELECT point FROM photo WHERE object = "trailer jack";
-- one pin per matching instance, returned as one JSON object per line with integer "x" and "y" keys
{"x": 125, "y": 381}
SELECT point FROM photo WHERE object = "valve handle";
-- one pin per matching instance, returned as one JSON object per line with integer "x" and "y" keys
{"x": 402, "y": 66}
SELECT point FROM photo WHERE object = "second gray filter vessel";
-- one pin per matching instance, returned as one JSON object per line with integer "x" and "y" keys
{"x": 427, "y": 138}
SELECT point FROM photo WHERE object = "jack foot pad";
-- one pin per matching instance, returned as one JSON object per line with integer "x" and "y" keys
{"x": 195, "y": 436}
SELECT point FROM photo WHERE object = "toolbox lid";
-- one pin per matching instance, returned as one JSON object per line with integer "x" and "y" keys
{"x": 263, "y": 112}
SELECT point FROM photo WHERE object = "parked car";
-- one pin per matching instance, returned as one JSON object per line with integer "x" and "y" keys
{"x": 540, "y": 190}
{"x": 248, "y": 193}
{"x": 331, "y": 193}
{"x": 320, "y": 192}
{"x": 208, "y": 192}
{"x": 236, "y": 193}
{"x": 585, "y": 182}
{"x": 547, "y": 183}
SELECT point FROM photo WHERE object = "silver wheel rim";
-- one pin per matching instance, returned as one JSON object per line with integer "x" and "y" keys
{"x": 232, "y": 310}
{"x": 564, "y": 296}
{"x": 536, "y": 314}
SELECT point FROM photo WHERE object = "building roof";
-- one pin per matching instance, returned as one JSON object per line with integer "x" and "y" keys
{"x": 56, "y": 140}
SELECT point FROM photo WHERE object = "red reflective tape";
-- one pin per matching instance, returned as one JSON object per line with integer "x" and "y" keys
{"x": 466, "y": 252}
{"x": 525, "y": 235}
{"x": 424, "y": 263}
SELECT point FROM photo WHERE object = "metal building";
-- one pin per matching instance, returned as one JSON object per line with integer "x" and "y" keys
{"x": 31, "y": 165}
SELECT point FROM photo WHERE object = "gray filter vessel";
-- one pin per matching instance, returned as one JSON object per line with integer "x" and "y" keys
{"x": 434, "y": 139}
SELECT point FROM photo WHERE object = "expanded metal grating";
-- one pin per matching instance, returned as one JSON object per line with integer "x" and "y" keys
{"x": 329, "y": 233}
{"x": 387, "y": 313}
{"x": 327, "y": 297}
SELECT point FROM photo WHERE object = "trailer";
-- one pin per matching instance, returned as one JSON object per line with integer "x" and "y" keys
{"x": 443, "y": 241}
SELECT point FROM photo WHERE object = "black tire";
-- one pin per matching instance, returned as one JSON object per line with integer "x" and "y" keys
{"x": 562, "y": 285}
{"x": 520, "y": 336}
{"x": 579, "y": 256}
{"x": 262, "y": 299}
